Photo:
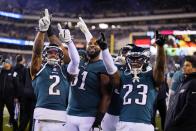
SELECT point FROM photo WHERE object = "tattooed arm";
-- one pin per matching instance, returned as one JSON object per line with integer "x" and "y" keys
{"x": 36, "y": 61}
{"x": 37, "y": 54}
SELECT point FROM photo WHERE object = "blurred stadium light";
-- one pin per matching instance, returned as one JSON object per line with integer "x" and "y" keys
{"x": 17, "y": 41}
{"x": 103, "y": 26}
{"x": 11, "y": 15}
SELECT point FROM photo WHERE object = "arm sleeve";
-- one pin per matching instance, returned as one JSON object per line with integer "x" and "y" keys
{"x": 73, "y": 66}
{"x": 108, "y": 62}
{"x": 88, "y": 36}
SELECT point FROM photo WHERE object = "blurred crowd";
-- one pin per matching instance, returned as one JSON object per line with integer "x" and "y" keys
{"x": 98, "y": 9}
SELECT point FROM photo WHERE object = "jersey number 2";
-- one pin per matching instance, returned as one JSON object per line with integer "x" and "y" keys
{"x": 52, "y": 88}
{"x": 137, "y": 100}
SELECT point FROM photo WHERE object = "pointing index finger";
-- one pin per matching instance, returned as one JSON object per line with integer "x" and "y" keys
{"x": 59, "y": 26}
{"x": 80, "y": 18}
{"x": 46, "y": 13}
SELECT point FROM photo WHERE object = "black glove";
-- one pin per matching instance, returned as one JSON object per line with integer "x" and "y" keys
{"x": 50, "y": 31}
{"x": 160, "y": 39}
{"x": 102, "y": 42}
{"x": 97, "y": 123}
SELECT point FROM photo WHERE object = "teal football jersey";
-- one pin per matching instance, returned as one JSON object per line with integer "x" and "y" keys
{"x": 137, "y": 98}
{"x": 85, "y": 90}
{"x": 115, "y": 104}
{"x": 51, "y": 88}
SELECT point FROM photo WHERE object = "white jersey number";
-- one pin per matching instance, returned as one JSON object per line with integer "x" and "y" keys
{"x": 52, "y": 88}
{"x": 84, "y": 75}
{"x": 143, "y": 93}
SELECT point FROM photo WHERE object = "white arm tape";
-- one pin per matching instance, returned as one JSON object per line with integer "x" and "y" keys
{"x": 108, "y": 62}
{"x": 88, "y": 36}
{"x": 73, "y": 66}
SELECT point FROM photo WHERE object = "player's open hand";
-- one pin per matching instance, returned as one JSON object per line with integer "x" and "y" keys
{"x": 64, "y": 34}
{"x": 44, "y": 22}
{"x": 81, "y": 24}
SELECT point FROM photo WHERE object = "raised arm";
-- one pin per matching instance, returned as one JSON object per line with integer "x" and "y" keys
{"x": 108, "y": 62}
{"x": 73, "y": 66}
{"x": 36, "y": 60}
{"x": 81, "y": 24}
{"x": 55, "y": 40}
{"x": 159, "y": 68}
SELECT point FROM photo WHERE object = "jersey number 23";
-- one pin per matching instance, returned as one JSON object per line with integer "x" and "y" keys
{"x": 142, "y": 94}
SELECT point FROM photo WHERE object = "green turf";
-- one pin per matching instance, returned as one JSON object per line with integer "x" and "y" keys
{"x": 158, "y": 123}
{"x": 5, "y": 121}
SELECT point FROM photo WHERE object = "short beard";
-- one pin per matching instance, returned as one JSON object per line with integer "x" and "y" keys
{"x": 94, "y": 55}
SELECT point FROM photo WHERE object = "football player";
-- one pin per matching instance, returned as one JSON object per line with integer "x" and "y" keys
{"x": 89, "y": 94}
{"x": 138, "y": 83}
{"x": 49, "y": 77}
{"x": 111, "y": 118}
